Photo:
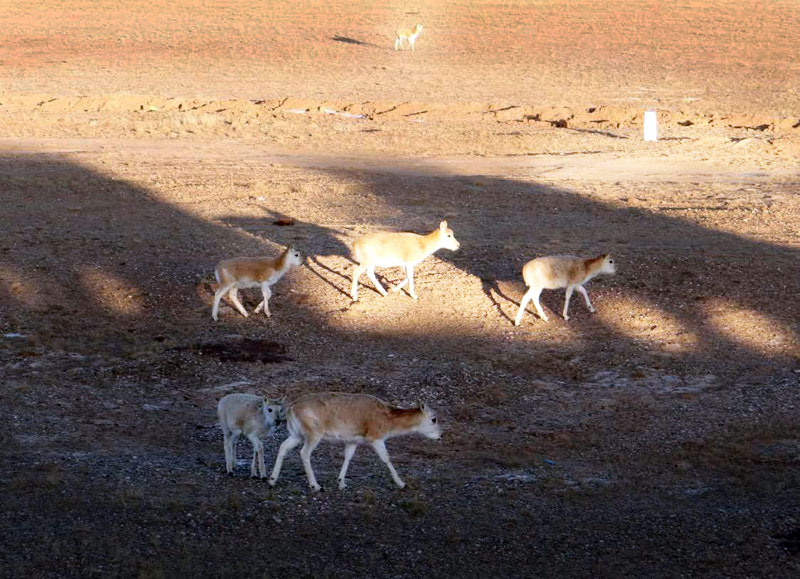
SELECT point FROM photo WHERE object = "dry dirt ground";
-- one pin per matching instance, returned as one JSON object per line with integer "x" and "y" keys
{"x": 141, "y": 142}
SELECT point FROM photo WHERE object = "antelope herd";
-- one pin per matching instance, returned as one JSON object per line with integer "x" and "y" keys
{"x": 360, "y": 418}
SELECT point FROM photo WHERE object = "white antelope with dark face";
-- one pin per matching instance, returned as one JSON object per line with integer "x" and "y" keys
{"x": 409, "y": 35}
{"x": 387, "y": 249}
{"x": 252, "y": 416}
{"x": 561, "y": 271}
{"x": 246, "y": 272}
{"x": 353, "y": 419}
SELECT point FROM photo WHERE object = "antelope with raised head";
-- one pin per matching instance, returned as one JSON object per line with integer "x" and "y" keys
{"x": 409, "y": 35}
{"x": 253, "y": 416}
{"x": 388, "y": 249}
{"x": 561, "y": 271}
{"x": 246, "y": 272}
{"x": 353, "y": 419}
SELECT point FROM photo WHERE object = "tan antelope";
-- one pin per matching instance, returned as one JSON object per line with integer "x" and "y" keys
{"x": 561, "y": 271}
{"x": 353, "y": 419}
{"x": 407, "y": 34}
{"x": 246, "y": 272}
{"x": 252, "y": 416}
{"x": 386, "y": 249}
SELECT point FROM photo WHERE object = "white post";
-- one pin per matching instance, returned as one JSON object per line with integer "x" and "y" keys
{"x": 650, "y": 126}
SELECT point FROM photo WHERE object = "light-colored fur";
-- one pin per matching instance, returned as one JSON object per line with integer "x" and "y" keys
{"x": 353, "y": 419}
{"x": 561, "y": 271}
{"x": 252, "y": 416}
{"x": 386, "y": 249}
{"x": 246, "y": 272}
{"x": 409, "y": 35}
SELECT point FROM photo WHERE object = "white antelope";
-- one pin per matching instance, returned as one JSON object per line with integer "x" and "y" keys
{"x": 246, "y": 272}
{"x": 352, "y": 419}
{"x": 561, "y": 271}
{"x": 407, "y": 34}
{"x": 252, "y": 416}
{"x": 386, "y": 249}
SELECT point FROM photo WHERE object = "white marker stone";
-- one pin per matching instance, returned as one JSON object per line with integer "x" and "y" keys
{"x": 650, "y": 126}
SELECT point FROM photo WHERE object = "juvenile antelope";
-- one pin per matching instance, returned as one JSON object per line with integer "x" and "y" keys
{"x": 407, "y": 34}
{"x": 252, "y": 416}
{"x": 352, "y": 419}
{"x": 561, "y": 271}
{"x": 385, "y": 249}
{"x": 246, "y": 272}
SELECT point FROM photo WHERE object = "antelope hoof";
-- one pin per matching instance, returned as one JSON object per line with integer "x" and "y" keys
{"x": 401, "y": 485}
{"x": 342, "y": 485}
{"x": 316, "y": 488}
{"x": 272, "y": 481}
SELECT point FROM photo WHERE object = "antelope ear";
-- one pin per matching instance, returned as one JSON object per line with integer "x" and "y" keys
{"x": 443, "y": 225}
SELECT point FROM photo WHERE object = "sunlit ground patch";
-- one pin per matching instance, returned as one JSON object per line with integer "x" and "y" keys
{"x": 751, "y": 328}
{"x": 646, "y": 323}
{"x": 111, "y": 293}
{"x": 14, "y": 285}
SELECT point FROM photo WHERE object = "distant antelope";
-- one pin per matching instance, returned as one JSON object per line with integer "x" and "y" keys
{"x": 385, "y": 249}
{"x": 352, "y": 419}
{"x": 407, "y": 34}
{"x": 246, "y": 272}
{"x": 252, "y": 416}
{"x": 561, "y": 271}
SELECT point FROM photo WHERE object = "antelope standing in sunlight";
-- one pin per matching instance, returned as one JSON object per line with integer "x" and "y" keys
{"x": 409, "y": 35}
{"x": 561, "y": 271}
{"x": 386, "y": 249}
{"x": 353, "y": 419}
{"x": 246, "y": 272}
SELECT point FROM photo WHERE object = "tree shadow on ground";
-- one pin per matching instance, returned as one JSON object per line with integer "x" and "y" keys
{"x": 88, "y": 261}
{"x": 680, "y": 269}
{"x": 84, "y": 251}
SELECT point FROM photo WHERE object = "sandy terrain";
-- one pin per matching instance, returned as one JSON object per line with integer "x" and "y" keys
{"x": 143, "y": 142}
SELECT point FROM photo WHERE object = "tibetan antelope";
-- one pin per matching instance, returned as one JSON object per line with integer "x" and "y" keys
{"x": 252, "y": 416}
{"x": 385, "y": 249}
{"x": 246, "y": 272}
{"x": 561, "y": 271}
{"x": 352, "y": 419}
{"x": 407, "y": 34}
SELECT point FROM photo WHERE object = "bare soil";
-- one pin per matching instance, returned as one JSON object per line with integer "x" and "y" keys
{"x": 142, "y": 142}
